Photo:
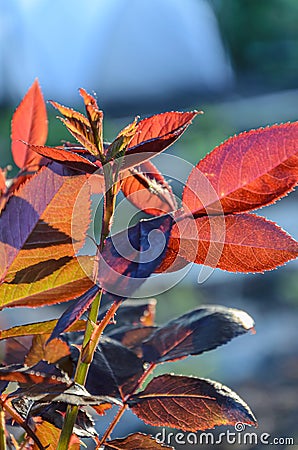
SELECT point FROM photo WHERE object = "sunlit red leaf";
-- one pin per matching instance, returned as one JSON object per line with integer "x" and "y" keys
{"x": 246, "y": 172}
{"x": 79, "y": 161}
{"x": 2, "y": 181}
{"x": 147, "y": 189}
{"x": 237, "y": 243}
{"x": 155, "y": 134}
{"x": 136, "y": 441}
{"x": 195, "y": 332}
{"x": 190, "y": 404}
{"x": 29, "y": 124}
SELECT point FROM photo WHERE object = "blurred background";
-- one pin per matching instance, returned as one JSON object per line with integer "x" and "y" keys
{"x": 236, "y": 60}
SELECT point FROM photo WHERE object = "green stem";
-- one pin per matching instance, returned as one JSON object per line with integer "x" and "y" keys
{"x": 2, "y": 429}
{"x": 89, "y": 346}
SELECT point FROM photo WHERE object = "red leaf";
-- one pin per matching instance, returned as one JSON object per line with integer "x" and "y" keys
{"x": 2, "y": 181}
{"x": 136, "y": 441}
{"x": 29, "y": 124}
{"x": 237, "y": 243}
{"x": 155, "y": 134}
{"x": 190, "y": 404}
{"x": 147, "y": 189}
{"x": 246, "y": 172}
{"x": 80, "y": 161}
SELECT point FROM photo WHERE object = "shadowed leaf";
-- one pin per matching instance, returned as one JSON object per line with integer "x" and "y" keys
{"x": 190, "y": 404}
{"x": 195, "y": 332}
{"x": 136, "y": 441}
{"x": 132, "y": 337}
{"x": 29, "y": 124}
{"x": 246, "y": 172}
{"x": 132, "y": 312}
{"x": 75, "y": 394}
{"x": 114, "y": 370}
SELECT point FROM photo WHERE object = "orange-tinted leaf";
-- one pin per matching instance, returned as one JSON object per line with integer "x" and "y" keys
{"x": 49, "y": 435}
{"x": 155, "y": 134}
{"x": 190, "y": 404}
{"x": 92, "y": 109}
{"x": 56, "y": 281}
{"x": 147, "y": 189}
{"x": 136, "y": 441}
{"x": 2, "y": 181}
{"x": 246, "y": 172}
{"x": 70, "y": 113}
{"x": 29, "y": 124}
{"x": 82, "y": 162}
{"x": 38, "y": 328}
{"x": 48, "y": 232}
{"x": 101, "y": 409}
{"x": 95, "y": 116}
{"x": 237, "y": 243}
{"x": 51, "y": 352}
{"x": 39, "y": 229}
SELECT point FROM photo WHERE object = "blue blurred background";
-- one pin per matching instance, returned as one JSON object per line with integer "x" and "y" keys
{"x": 236, "y": 60}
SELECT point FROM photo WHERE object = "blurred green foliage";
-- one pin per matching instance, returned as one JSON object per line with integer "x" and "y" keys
{"x": 262, "y": 39}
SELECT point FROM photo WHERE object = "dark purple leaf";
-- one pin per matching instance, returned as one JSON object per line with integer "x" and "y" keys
{"x": 129, "y": 257}
{"x": 195, "y": 332}
{"x": 74, "y": 312}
